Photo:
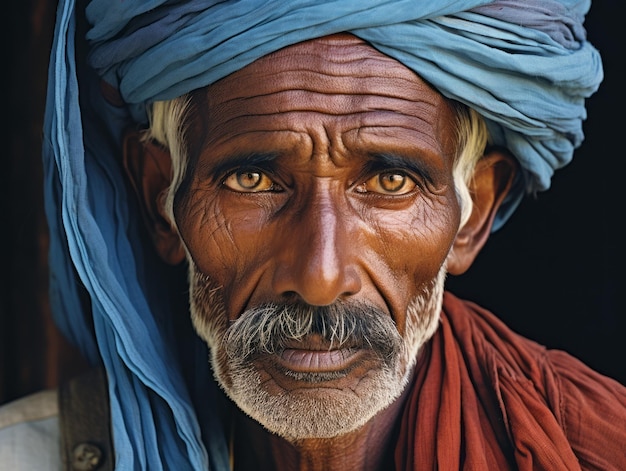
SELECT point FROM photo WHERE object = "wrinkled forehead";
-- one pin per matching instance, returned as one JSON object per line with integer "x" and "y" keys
{"x": 334, "y": 76}
{"x": 324, "y": 62}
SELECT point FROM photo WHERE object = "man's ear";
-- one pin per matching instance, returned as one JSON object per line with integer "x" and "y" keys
{"x": 491, "y": 182}
{"x": 149, "y": 169}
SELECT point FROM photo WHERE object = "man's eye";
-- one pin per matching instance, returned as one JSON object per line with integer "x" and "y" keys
{"x": 387, "y": 183}
{"x": 250, "y": 181}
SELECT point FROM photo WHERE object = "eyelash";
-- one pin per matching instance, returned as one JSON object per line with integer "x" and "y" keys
{"x": 416, "y": 176}
{"x": 276, "y": 187}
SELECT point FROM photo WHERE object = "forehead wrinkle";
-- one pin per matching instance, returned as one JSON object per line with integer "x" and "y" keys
{"x": 426, "y": 141}
{"x": 286, "y": 112}
{"x": 267, "y": 141}
{"x": 353, "y": 81}
{"x": 284, "y": 84}
{"x": 325, "y": 103}
{"x": 313, "y": 123}
{"x": 344, "y": 64}
{"x": 334, "y": 57}
{"x": 293, "y": 129}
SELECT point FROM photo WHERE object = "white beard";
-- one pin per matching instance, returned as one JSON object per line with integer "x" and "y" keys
{"x": 307, "y": 413}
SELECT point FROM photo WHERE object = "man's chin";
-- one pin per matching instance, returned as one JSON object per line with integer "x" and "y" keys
{"x": 298, "y": 405}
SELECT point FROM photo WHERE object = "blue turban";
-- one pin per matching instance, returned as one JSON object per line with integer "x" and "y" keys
{"x": 525, "y": 66}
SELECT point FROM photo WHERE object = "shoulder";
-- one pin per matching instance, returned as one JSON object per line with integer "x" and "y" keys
{"x": 29, "y": 433}
{"x": 35, "y": 407}
{"x": 592, "y": 411}
{"x": 589, "y": 408}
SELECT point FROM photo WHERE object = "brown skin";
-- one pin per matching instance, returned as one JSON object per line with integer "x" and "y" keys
{"x": 326, "y": 217}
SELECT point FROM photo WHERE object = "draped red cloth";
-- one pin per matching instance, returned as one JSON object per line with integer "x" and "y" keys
{"x": 485, "y": 398}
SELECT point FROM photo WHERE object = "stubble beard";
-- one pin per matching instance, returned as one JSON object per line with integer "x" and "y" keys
{"x": 263, "y": 330}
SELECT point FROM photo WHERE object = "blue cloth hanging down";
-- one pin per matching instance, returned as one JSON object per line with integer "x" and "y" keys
{"x": 526, "y": 67}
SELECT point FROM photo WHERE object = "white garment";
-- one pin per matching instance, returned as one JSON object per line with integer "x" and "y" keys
{"x": 30, "y": 438}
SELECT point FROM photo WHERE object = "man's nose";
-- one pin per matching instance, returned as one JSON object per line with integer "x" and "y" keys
{"x": 318, "y": 258}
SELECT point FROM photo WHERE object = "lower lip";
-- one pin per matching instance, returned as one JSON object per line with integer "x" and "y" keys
{"x": 314, "y": 361}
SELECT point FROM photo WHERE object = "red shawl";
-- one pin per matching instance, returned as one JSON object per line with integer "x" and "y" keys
{"x": 485, "y": 398}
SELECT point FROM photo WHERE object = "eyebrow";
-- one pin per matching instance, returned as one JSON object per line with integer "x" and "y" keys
{"x": 250, "y": 159}
{"x": 389, "y": 160}
{"x": 378, "y": 161}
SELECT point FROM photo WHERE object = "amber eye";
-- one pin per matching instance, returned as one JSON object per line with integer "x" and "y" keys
{"x": 388, "y": 183}
{"x": 249, "y": 181}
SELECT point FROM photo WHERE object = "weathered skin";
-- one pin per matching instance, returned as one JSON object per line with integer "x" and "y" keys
{"x": 323, "y": 173}
{"x": 325, "y": 110}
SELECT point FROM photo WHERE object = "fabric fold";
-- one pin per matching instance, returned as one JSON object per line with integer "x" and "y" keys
{"x": 515, "y": 406}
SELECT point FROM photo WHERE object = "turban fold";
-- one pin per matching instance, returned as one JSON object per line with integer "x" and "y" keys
{"x": 525, "y": 66}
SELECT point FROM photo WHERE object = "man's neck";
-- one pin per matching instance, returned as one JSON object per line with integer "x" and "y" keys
{"x": 370, "y": 448}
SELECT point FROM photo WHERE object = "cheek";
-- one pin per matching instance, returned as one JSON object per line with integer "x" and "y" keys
{"x": 407, "y": 248}
{"x": 203, "y": 229}
{"x": 225, "y": 241}
{"x": 414, "y": 243}
{"x": 412, "y": 247}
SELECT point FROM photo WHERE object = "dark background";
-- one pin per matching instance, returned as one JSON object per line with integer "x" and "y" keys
{"x": 554, "y": 272}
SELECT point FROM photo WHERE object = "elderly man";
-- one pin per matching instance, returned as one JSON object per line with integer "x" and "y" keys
{"x": 316, "y": 170}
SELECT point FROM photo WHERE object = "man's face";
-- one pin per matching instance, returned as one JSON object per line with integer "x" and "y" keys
{"x": 317, "y": 212}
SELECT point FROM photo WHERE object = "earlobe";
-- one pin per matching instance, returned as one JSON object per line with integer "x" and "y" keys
{"x": 148, "y": 167}
{"x": 492, "y": 180}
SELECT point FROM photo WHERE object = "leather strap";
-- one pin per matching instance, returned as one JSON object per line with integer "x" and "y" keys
{"x": 84, "y": 413}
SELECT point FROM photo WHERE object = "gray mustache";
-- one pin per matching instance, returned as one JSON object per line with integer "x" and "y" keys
{"x": 267, "y": 328}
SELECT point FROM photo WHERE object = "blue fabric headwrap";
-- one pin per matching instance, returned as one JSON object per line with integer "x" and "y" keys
{"x": 524, "y": 65}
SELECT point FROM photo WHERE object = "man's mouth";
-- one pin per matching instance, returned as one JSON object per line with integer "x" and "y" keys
{"x": 317, "y": 361}
{"x": 313, "y": 354}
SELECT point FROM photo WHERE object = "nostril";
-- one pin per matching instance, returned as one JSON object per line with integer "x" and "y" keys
{"x": 290, "y": 296}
